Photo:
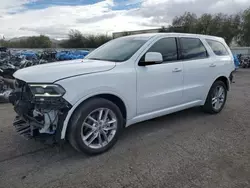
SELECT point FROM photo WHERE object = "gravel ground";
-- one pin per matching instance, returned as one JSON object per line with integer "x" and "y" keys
{"x": 182, "y": 150}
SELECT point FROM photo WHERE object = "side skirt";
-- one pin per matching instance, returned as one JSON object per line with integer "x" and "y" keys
{"x": 163, "y": 112}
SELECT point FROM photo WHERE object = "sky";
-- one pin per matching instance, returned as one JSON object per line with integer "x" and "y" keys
{"x": 55, "y": 18}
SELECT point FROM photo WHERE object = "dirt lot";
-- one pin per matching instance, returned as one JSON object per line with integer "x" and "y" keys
{"x": 182, "y": 150}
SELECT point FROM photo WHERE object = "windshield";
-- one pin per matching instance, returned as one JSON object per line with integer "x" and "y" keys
{"x": 118, "y": 50}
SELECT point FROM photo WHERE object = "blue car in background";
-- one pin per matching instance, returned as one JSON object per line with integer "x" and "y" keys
{"x": 69, "y": 55}
{"x": 236, "y": 62}
{"x": 28, "y": 54}
{"x": 60, "y": 56}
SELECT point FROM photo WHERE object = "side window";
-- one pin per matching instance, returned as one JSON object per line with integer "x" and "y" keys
{"x": 192, "y": 48}
{"x": 167, "y": 47}
{"x": 218, "y": 48}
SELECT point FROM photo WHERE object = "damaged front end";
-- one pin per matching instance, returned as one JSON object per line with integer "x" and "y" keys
{"x": 41, "y": 110}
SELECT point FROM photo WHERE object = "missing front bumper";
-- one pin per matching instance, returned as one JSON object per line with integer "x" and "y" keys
{"x": 29, "y": 130}
{"x": 39, "y": 118}
{"x": 29, "y": 127}
{"x": 23, "y": 127}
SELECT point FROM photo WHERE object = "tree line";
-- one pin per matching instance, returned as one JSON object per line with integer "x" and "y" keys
{"x": 232, "y": 27}
{"x": 77, "y": 40}
{"x": 29, "y": 42}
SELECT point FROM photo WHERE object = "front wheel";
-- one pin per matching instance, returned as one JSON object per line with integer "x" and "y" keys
{"x": 95, "y": 126}
{"x": 216, "y": 98}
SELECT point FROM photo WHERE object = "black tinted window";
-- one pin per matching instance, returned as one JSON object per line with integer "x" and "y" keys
{"x": 167, "y": 47}
{"x": 192, "y": 48}
{"x": 217, "y": 47}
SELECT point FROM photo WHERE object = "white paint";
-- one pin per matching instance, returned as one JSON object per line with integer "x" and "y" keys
{"x": 49, "y": 73}
{"x": 153, "y": 57}
{"x": 147, "y": 91}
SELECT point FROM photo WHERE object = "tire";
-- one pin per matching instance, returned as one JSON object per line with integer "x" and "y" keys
{"x": 77, "y": 132}
{"x": 209, "y": 107}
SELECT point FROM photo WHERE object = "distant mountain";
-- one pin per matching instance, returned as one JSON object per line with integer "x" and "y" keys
{"x": 55, "y": 42}
{"x": 24, "y": 38}
{"x": 16, "y": 39}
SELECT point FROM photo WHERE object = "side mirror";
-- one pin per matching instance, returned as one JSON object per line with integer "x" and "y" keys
{"x": 151, "y": 58}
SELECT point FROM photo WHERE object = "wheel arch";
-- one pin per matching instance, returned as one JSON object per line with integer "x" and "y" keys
{"x": 207, "y": 103}
{"x": 225, "y": 80}
{"x": 116, "y": 99}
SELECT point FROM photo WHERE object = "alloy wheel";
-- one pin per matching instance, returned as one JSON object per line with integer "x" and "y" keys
{"x": 99, "y": 128}
{"x": 218, "y": 98}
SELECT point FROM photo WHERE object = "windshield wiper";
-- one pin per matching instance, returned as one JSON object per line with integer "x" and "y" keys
{"x": 101, "y": 59}
{"x": 95, "y": 58}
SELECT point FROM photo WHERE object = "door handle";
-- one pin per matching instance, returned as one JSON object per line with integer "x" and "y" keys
{"x": 212, "y": 65}
{"x": 177, "y": 70}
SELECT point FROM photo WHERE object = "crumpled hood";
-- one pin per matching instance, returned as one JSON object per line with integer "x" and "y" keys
{"x": 51, "y": 72}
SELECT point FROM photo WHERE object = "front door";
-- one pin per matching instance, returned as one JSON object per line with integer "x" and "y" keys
{"x": 160, "y": 86}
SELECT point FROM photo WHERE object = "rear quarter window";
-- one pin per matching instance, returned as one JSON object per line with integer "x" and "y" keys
{"x": 217, "y": 47}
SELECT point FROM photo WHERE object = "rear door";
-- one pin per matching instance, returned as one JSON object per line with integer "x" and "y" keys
{"x": 222, "y": 63}
{"x": 196, "y": 68}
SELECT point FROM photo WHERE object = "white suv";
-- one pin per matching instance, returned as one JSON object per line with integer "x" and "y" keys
{"x": 127, "y": 80}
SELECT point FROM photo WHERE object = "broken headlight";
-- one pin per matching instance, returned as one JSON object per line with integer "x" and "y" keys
{"x": 46, "y": 90}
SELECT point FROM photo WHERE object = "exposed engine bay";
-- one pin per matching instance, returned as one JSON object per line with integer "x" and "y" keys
{"x": 38, "y": 116}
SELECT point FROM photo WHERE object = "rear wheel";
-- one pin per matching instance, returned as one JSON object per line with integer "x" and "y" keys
{"x": 216, "y": 98}
{"x": 95, "y": 126}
